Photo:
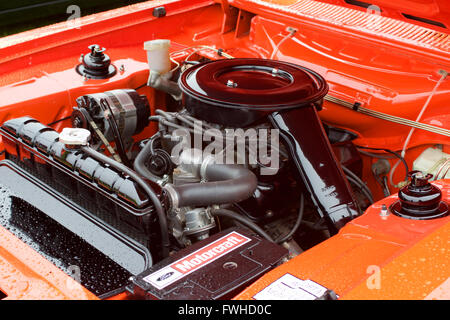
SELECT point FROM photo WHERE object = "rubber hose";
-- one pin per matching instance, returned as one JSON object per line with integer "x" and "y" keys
{"x": 139, "y": 163}
{"x": 226, "y": 184}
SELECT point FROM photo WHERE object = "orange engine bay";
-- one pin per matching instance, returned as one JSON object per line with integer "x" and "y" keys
{"x": 370, "y": 113}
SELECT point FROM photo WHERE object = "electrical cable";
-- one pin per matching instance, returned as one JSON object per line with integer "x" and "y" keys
{"x": 202, "y": 47}
{"x": 391, "y": 174}
{"x": 386, "y": 186}
{"x": 56, "y": 121}
{"x": 152, "y": 141}
{"x": 141, "y": 86}
{"x": 245, "y": 221}
{"x": 377, "y": 156}
{"x": 358, "y": 182}
{"x": 364, "y": 191}
{"x": 422, "y": 111}
{"x": 380, "y": 115}
{"x": 396, "y": 154}
{"x": 291, "y": 33}
{"x": 297, "y": 222}
{"x": 419, "y": 117}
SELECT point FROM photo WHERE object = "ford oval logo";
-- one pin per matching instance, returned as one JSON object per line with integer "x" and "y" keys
{"x": 165, "y": 276}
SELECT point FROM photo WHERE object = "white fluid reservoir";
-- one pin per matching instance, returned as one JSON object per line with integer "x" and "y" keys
{"x": 434, "y": 161}
{"x": 158, "y": 57}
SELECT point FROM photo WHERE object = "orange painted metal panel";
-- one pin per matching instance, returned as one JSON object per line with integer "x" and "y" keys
{"x": 25, "y": 274}
{"x": 412, "y": 256}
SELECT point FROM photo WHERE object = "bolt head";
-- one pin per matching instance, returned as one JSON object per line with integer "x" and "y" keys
{"x": 384, "y": 212}
{"x": 231, "y": 84}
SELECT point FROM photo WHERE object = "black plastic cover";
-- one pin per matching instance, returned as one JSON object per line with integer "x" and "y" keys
{"x": 216, "y": 268}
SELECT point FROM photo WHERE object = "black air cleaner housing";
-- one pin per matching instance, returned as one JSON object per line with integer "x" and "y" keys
{"x": 242, "y": 92}
{"x": 245, "y": 92}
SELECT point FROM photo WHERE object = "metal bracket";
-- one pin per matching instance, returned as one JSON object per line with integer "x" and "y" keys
{"x": 230, "y": 16}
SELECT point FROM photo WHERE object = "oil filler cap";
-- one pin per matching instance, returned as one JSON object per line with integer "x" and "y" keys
{"x": 74, "y": 137}
{"x": 420, "y": 200}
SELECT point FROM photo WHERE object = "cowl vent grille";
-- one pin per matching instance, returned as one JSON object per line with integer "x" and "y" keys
{"x": 364, "y": 22}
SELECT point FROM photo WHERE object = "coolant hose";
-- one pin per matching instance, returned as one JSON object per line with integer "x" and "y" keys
{"x": 147, "y": 189}
{"x": 226, "y": 183}
{"x": 139, "y": 163}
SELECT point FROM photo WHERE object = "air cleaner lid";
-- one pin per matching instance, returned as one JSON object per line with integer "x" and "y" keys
{"x": 250, "y": 85}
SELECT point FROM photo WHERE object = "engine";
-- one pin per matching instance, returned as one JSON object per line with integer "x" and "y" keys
{"x": 233, "y": 143}
{"x": 240, "y": 145}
